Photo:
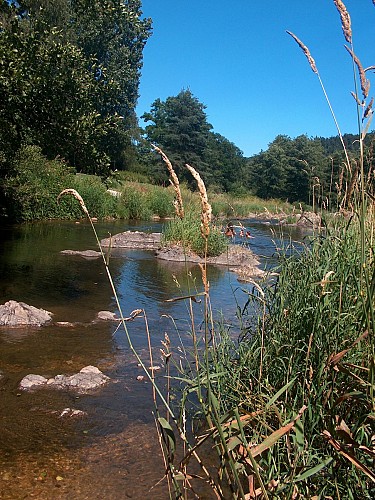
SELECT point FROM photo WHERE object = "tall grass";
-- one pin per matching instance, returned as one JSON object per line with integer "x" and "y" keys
{"x": 287, "y": 408}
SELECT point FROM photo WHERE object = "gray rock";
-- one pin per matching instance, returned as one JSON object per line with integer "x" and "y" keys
{"x": 133, "y": 239}
{"x": 107, "y": 316}
{"x": 31, "y": 381}
{"x": 87, "y": 254}
{"x": 89, "y": 378}
{"x": 16, "y": 314}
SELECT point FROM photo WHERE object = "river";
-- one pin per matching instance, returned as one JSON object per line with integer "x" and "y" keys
{"x": 113, "y": 451}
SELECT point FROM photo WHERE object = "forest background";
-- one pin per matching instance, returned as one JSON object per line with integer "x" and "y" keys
{"x": 69, "y": 80}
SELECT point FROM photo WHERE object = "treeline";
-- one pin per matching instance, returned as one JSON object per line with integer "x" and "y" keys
{"x": 69, "y": 79}
{"x": 309, "y": 170}
{"x": 313, "y": 171}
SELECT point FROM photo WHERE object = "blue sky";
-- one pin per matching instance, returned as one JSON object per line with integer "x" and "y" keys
{"x": 236, "y": 58}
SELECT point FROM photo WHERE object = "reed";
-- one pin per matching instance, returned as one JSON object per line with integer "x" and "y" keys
{"x": 179, "y": 207}
{"x": 288, "y": 407}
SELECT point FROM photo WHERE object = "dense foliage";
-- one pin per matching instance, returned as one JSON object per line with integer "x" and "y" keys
{"x": 69, "y": 74}
{"x": 309, "y": 170}
{"x": 179, "y": 126}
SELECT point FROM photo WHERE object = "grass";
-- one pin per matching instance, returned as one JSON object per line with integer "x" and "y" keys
{"x": 35, "y": 182}
{"x": 288, "y": 407}
{"x": 186, "y": 233}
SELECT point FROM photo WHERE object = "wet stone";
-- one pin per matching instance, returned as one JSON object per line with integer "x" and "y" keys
{"x": 19, "y": 314}
{"x": 89, "y": 378}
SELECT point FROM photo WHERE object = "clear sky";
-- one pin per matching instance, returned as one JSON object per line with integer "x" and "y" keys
{"x": 255, "y": 81}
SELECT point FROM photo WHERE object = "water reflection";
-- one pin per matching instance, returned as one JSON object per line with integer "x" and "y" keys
{"x": 33, "y": 270}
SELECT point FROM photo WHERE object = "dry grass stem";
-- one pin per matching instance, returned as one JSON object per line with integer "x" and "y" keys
{"x": 77, "y": 196}
{"x": 368, "y": 110}
{"x": 206, "y": 213}
{"x": 360, "y": 103}
{"x": 345, "y": 20}
{"x": 306, "y": 52}
{"x": 365, "y": 84}
{"x": 179, "y": 207}
{"x": 204, "y": 278}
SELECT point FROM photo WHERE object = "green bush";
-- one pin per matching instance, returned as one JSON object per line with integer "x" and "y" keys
{"x": 160, "y": 201}
{"x": 187, "y": 232}
{"x": 98, "y": 201}
{"x": 133, "y": 202}
{"x": 32, "y": 189}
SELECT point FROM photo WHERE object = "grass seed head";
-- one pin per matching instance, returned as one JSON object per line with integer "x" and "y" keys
{"x": 178, "y": 205}
{"x": 365, "y": 83}
{"x": 77, "y": 196}
{"x": 306, "y": 52}
{"x": 206, "y": 213}
{"x": 345, "y": 20}
{"x": 368, "y": 111}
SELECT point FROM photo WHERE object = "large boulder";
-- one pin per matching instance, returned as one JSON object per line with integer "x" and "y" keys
{"x": 89, "y": 378}
{"x": 19, "y": 314}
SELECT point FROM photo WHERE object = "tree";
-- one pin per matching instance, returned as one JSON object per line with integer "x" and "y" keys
{"x": 181, "y": 129}
{"x": 112, "y": 33}
{"x": 226, "y": 163}
{"x": 290, "y": 169}
{"x": 47, "y": 98}
{"x": 179, "y": 126}
{"x": 268, "y": 172}
{"x": 69, "y": 75}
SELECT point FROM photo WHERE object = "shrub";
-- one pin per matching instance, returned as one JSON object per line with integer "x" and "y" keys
{"x": 99, "y": 203}
{"x": 32, "y": 189}
{"x": 133, "y": 202}
{"x": 160, "y": 201}
{"x": 187, "y": 232}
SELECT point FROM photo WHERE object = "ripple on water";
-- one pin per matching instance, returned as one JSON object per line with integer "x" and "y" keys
{"x": 113, "y": 452}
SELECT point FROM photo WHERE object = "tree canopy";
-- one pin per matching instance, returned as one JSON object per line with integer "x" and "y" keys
{"x": 179, "y": 126}
{"x": 69, "y": 76}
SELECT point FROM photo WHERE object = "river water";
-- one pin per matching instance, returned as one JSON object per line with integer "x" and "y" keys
{"x": 112, "y": 452}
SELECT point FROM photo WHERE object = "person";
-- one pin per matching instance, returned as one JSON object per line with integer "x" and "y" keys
{"x": 230, "y": 231}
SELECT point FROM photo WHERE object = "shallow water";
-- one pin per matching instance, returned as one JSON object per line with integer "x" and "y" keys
{"x": 113, "y": 452}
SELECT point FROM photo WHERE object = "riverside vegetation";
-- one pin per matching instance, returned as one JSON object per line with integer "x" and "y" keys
{"x": 32, "y": 189}
{"x": 288, "y": 406}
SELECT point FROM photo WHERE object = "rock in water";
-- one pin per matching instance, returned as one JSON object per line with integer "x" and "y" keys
{"x": 32, "y": 381}
{"x": 87, "y": 254}
{"x": 133, "y": 239}
{"x": 89, "y": 378}
{"x": 15, "y": 314}
{"x": 107, "y": 316}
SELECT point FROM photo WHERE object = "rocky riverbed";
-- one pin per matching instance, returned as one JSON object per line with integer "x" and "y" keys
{"x": 239, "y": 258}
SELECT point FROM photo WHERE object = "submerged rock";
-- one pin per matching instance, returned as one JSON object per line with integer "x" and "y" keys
{"x": 16, "y": 314}
{"x": 71, "y": 412}
{"x": 133, "y": 239}
{"x": 87, "y": 254}
{"x": 89, "y": 378}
